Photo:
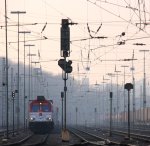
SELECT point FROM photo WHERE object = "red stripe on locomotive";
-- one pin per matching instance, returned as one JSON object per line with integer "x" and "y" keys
{"x": 40, "y": 106}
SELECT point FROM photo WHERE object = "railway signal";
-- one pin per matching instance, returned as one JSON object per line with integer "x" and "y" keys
{"x": 128, "y": 87}
{"x": 65, "y": 65}
{"x": 65, "y": 38}
{"x": 13, "y": 94}
{"x": 69, "y": 67}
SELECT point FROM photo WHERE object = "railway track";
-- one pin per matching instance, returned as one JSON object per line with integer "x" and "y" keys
{"x": 135, "y": 129}
{"x": 31, "y": 140}
{"x": 88, "y": 137}
{"x": 92, "y": 139}
{"x": 35, "y": 140}
{"x": 141, "y": 135}
{"x": 3, "y": 132}
{"x": 135, "y": 137}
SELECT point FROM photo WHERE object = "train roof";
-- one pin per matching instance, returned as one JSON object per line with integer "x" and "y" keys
{"x": 41, "y": 99}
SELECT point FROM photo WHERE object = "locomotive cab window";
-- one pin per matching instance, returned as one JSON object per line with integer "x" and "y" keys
{"x": 42, "y": 107}
{"x": 35, "y": 108}
{"x": 45, "y": 108}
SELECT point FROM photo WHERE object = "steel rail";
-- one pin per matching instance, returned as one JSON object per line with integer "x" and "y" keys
{"x": 141, "y": 137}
{"x": 102, "y": 141}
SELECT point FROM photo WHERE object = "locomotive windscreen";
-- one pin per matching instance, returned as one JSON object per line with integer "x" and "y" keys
{"x": 43, "y": 107}
{"x": 35, "y": 108}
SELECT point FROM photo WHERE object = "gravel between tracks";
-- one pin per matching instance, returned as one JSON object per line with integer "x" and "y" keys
{"x": 16, "y": 138}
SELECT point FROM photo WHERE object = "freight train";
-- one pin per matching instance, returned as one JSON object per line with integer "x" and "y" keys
{"x": 41, "y": 115}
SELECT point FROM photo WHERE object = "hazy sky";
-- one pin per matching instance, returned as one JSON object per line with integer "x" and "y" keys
{"x": 121, "y": 23}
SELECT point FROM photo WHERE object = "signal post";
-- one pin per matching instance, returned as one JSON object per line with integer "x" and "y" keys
{"x": 66, "y": 67}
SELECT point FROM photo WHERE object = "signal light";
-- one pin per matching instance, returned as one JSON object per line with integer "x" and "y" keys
{"x": 65, "y": 38}
{"x": 62, "y": 94}
{"x": 13, "y": 94}
{"x": 61, "y": 63}
{"x": 69, "y": 67}
{"x": 66, "y": 66}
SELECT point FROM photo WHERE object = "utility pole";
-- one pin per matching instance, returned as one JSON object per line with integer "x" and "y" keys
{"x": 31, "y": 75}
{"x": 35, "y": 78}
{"x": 110, "y": 131}
{"x": 76, "y": 117}
{"x": 18, "y": 109}
{"x": 7, "y": 116}
{"x": 111, "y": 96}
{"x": 117, "y": 94}
{"x": 103, "y": 101}
{"x": 29, "y": 45}
{"x": 124, "y": 66}
{"x": 62, "y": 108}
{"x": 13, "y": 98}
{"x": 144, "y": 83}
{"x": 133, "y": 82}
{"x": 4, "y": 106}
{"x": 128, "y": 87}
{"x": 95, "y": 111}
{"x": 104, "y": 79}
{"x": 24, "y": 32}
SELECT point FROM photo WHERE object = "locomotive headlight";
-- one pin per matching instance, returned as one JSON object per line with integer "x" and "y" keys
{"x": 49, "y": 119}
{"x": 32, "y": 118}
